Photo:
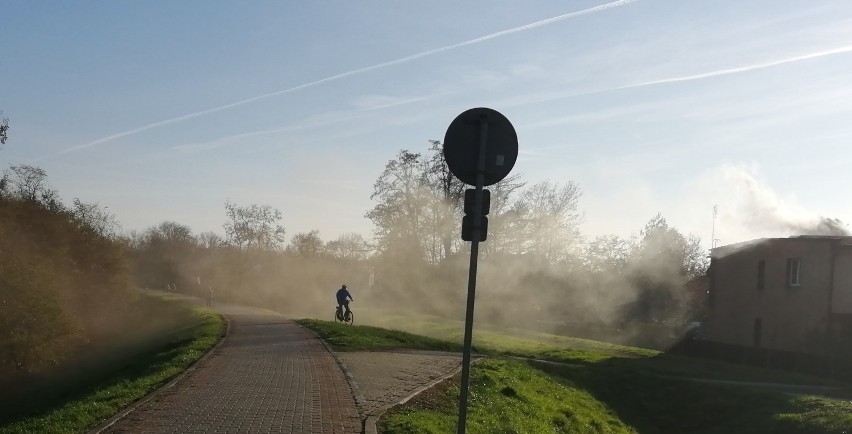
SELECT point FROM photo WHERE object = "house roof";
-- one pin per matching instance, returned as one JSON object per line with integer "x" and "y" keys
{"x": 845, "y": 241}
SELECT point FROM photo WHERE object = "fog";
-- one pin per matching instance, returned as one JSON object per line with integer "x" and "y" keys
{"x": 536, "y": 270}
{"x": 641, "y": 290}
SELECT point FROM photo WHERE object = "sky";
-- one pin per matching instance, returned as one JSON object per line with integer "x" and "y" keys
{"x": 165, "y": 111}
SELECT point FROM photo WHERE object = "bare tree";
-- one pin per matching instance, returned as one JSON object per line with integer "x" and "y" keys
{"x": 254, "y": 226}
{"x": 174, "y": 232}
{"x": 607, "y": 254}
{"x": 447, "y": 200}
{"x": 28, "y": 183}
{"x": 95, "y": 218}
{"x": 210, "y": 240}
{"x": 550, "y": 219}
{"x": 505, "y": 228}
{"x": 349, "y": 246}
{"x": 306, "y": 244}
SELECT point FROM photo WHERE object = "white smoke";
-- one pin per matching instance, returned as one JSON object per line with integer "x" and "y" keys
{"x": 749, "y": 208}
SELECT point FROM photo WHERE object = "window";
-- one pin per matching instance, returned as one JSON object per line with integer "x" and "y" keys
{"x": 761, "y": 268}
{"x": 793, "y": 276}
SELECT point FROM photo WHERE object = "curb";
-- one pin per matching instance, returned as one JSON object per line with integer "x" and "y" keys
{"x": 353, "y": 385}
{"x": 372, "y": 419}
{"x": 118, "y": 416}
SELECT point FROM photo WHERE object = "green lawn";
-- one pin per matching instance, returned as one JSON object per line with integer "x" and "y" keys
{"x": 92, "y": 389}
{"x": 506, "y": 396}
{"x": 512, "y": 396}
{"x": 593, "y": 388}
{"x": 652, "y": 404}
{"x": 547, "y": 346}
{"x": 360, "y": 338}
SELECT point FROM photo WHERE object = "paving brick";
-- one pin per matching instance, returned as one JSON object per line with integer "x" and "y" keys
{"x": 269, "y": 375}
{"x": 383, "y": 378}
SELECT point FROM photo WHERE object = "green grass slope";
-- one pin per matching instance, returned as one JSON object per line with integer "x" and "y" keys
{"x": 81, "y": 395}
{"x": 584, "y": 386}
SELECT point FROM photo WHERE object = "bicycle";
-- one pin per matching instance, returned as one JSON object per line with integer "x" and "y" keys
{"x": 346, "y": 318}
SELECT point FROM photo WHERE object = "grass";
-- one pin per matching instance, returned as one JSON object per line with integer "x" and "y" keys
{"x": 93, "y": 389}
{"x": 653, "y": 404}
{"x": 594, "y": 388}
{"x": 512, "y": 396}
{"x": 344, "y": 337}
{"x": 507, "y": 397}
{"x": 564, "y": 349}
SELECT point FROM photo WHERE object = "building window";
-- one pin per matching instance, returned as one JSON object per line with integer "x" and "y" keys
{"x": 793, "y": 275}
{"x": 761, "y": 268}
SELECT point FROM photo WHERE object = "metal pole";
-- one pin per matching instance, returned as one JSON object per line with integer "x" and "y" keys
{"x": 471, "y": 280}
{"x": 713, "y": 232}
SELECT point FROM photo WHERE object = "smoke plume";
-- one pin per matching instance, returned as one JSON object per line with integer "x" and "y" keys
{"x": 752, "y": 205}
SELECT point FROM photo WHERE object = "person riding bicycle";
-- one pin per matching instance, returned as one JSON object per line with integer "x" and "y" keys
{"x": 342, "y": 295}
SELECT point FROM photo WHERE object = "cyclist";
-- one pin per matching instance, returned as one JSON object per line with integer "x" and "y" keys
{"x": 342, "y": 295}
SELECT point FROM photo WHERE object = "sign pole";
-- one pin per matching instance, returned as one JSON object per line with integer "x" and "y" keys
{"x": 471, "y": 280}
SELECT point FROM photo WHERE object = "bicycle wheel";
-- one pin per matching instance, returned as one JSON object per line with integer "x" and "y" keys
{"x": 351, "y": 318}
{"x": 336, "y": 317}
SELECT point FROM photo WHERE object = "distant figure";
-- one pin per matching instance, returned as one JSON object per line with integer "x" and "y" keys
{"x": 210, "y": 297}
{"x": 342, "y": 295}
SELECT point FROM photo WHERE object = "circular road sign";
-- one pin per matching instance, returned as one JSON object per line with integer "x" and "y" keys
{"x": 461, "y": 145}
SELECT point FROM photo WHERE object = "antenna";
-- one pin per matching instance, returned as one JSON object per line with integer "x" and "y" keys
{"x": 713, "y": 239}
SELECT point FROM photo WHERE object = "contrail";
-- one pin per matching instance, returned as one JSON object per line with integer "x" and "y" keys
{"x": 342, "y": 75}
{"x": 740, "y": 69}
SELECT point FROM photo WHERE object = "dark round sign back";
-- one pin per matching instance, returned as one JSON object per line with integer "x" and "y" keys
{"x": 461, "y": 145}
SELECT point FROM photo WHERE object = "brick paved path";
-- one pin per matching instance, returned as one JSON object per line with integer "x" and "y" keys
{"x": 269, "y": 375}
{"x": 383, "y": 378}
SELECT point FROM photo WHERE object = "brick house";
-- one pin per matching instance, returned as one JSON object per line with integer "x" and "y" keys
{"x": 784, "y": 294}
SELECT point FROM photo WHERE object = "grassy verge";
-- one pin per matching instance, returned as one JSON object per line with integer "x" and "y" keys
{"x": 599, "y": 388}
{"x": 564, "y": 349}
{"x": 344, "y": 337}
{"x": 510, "y": 396}
{"x": 94, "y": 388}
{"x": 652, "y": 404}
{"x": 506, "y": 397}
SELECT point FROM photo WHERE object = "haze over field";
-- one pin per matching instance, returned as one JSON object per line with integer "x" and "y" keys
{"x": 648, "y": 106}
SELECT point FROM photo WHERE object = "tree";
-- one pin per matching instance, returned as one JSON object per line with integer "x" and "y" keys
{"x": 607, "y": 254}
{"x": 28, "y": 183}
{"x": 663, "y": 261}
{"x": 669, "y": 250}
{"x": 254, "y": 226}
{"x": 403, "y": 196}
{"x": 549, "y": 219}
{"x": 4, "y": 128}
{"x": 350, "y": 246}
{"x": 447, "y": 200}
{"x": 306, "y": 244}
{"x": 210, "y": 240}
{"x": 91, "y": 216}
{"x": 162, "y": 255}
{"x": 172, "y": 232}
{"x": 505, "y": 229}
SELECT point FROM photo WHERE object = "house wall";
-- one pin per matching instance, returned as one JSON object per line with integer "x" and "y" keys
{"x": 842, "y": 296}
{"x": 793, "y": 318}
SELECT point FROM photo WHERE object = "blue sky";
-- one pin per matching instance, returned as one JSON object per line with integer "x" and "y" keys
{"x": 164, "y": 111}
